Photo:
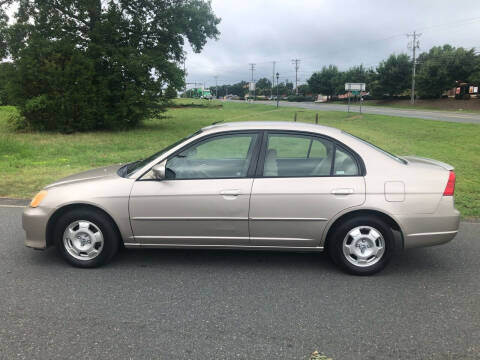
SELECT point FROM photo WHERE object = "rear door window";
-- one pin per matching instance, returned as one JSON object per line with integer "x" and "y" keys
{"x": 345, "y": 164}
{"x": 295, "y": 155}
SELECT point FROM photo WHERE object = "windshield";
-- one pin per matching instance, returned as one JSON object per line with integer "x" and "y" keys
{"x": 384, "y": 152}
{"x": 134, "y": 166}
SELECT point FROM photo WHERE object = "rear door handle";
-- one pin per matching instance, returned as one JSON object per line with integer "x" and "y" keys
{"x": 342, "y": 191}
{"x": 233, "y": 192}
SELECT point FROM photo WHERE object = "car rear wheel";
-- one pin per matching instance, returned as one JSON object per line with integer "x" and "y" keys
{"x": 86, "y": 238}
{"x": 361, "y": 245}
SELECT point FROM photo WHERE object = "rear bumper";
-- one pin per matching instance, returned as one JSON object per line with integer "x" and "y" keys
{"x": 431, "y": 229}
{"x": 34, "y": 222}
{"x": 429, "y": 239}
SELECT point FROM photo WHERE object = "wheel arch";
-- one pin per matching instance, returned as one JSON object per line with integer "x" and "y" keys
{"x": 66, "y": 208}
{"x": 388, "y": 219}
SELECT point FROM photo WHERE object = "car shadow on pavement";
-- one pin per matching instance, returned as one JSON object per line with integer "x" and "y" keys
{"x": 404, "y": 262}
{"x": 221, "y": 258}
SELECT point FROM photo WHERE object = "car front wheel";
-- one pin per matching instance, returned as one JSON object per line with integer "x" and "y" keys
{"x": 362, "y": 245}
{"x": 86, "y": 238}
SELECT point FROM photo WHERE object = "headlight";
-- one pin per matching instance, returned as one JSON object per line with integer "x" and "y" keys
{"x": 38, "y": 198}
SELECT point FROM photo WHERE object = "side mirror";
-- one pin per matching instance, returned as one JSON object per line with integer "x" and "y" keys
{"x": 159, "y": 170}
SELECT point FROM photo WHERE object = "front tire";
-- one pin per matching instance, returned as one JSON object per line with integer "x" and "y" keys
{"x": 86, "y": 238}
{"x": 361, "y": 245}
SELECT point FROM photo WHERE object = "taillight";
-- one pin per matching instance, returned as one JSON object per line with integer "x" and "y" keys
{"x": 450, "y": 188}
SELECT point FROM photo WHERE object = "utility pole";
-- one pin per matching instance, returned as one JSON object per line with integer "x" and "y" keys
{"x": 216, "y": 86}
{"x": 415, "y": 44}
{"x": 273, "y": 80}
{"x": 296, "y": 62}
{"x": 252, "y": 69}
{"x": 277, "y": 75}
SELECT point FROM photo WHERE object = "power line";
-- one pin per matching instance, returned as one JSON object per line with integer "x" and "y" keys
{"x": 458, "y": 23}
{"x": 462, "y": 22}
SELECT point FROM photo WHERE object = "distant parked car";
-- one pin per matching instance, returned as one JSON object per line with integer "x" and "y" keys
{"x": 252, "y": 186}
{"x": 321, "y": 98}
{"x": 232, "y": 97}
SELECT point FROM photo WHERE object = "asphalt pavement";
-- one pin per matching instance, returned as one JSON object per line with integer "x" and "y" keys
{"x": 186, "y": 304}
{"x": 449, "y": 116}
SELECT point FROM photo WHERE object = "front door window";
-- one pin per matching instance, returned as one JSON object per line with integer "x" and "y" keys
{"x": 225, "y": 156}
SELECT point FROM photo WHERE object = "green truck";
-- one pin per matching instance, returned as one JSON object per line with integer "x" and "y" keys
{"x": 200, "y": 93}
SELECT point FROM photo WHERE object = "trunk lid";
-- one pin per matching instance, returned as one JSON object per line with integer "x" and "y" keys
{"x": 426, "y": 181}
{"x": 422, "y": 160}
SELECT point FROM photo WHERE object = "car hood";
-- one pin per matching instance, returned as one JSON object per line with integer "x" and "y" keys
{"x": 422, "y": 161}
{"x": 88, "y": 175}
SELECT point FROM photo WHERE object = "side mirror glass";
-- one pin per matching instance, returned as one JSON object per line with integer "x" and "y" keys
{"x": 159, "y": 170}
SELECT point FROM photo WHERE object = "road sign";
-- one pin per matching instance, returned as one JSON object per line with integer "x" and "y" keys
{"x": 251, "y": 86}
{"x": 355, "y": 89}
{"x": 355, "y": 86}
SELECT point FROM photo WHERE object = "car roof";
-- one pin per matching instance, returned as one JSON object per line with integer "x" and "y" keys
{"x": 271, "y": 125}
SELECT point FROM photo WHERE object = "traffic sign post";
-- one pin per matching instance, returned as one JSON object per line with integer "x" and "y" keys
{"x": 356, "y": 89}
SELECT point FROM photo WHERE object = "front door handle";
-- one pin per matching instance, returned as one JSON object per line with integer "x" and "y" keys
{"x": 233, "y": 192}
{"x": 342, "y": 191}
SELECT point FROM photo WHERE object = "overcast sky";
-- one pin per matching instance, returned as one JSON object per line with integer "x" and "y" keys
{"x": 322, "y": 32}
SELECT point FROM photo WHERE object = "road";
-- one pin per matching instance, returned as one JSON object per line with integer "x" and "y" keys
{"x": 449, "y": 116}
{"x": 180, "y": 304}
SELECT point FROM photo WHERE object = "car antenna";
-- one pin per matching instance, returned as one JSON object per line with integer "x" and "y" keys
{"x": 217, "y": 122}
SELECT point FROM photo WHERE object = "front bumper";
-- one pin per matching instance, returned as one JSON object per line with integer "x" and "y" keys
{"x": 431, "y": 229}
{"x": 34, "y": 222}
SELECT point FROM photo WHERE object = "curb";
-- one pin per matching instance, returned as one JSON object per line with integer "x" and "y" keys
{"x": 8, "y": 202}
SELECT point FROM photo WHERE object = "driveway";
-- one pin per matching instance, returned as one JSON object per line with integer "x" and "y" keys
{"x": 185, "y": 304}
{"x": 449, "y": 116}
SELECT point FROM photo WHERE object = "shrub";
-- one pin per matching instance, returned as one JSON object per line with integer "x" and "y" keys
{"x": 17, "y": 122}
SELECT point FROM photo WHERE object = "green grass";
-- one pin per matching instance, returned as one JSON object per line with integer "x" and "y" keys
{"x": 421, "y": 107}
{"x": 31, "y": 160}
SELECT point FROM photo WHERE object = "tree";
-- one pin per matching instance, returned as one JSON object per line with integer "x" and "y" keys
{"x": 475, "y": 75}
{"x": 239, "y": 89}
{"x": 356, "y": 74}
{"x": 304, "y": 89}
{"x": 263, "y": 86}
{"x": 93, "y": 64}
{"x": 7, "y": 71}
{"x": 326, "y": 82}
{"x": 360, "y": 74}
{"x": 170, "y": 92}
{"x": 284, "y": 89}
{"x": 394, "y": 75}
{"x": 441, "y": 67}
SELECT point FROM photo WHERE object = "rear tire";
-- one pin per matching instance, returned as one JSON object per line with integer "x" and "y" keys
{"x": 362, "y": 245}
{"x": 86, "y": 238}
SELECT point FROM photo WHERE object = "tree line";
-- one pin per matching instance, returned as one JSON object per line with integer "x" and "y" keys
{"x": 438, "y": 70}
{"x": 263, "y": 87}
